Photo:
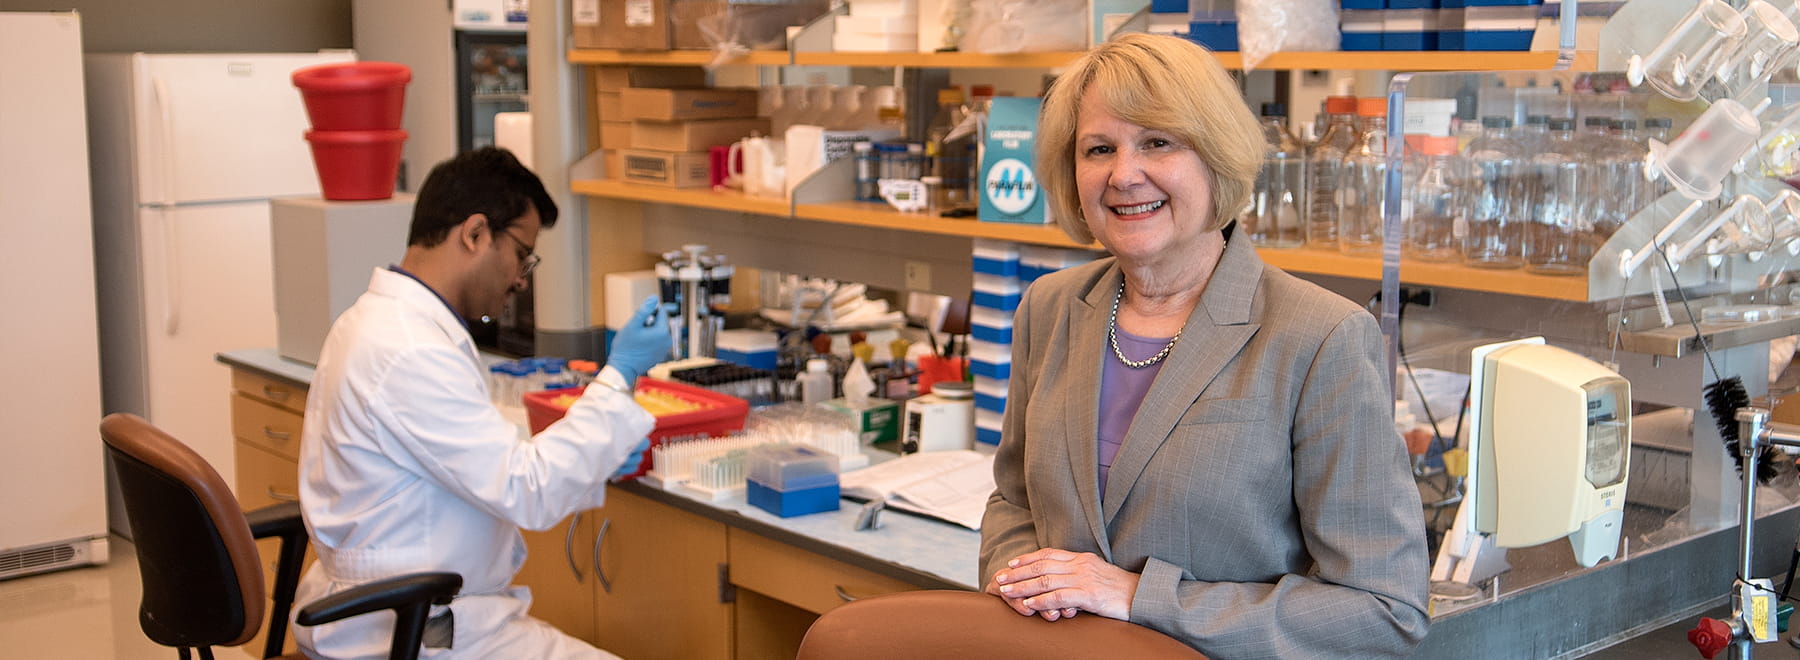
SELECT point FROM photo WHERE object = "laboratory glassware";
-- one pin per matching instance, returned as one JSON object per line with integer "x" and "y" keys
{"x": 1439, "y": 200}
{"x": 1323, "y": 162}
{"x": 1273, "y": 219}
{"x": 1361, "y": 182}
{"x": 1698, "y": 160}
{"x": 1558, "y": 240}
{"x": 1500, "y": 202}
{"x": 1695, "y": 49}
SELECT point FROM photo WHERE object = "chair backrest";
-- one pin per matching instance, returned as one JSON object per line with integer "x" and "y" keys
{"x": 202, "y": 575}
{"x": 966, "y": 624}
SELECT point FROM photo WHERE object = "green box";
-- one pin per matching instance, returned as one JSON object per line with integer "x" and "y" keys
{"x": 877, "y": 421}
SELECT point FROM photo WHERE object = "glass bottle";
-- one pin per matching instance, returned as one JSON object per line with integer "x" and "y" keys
{"x": 1617, "y": 179}
{"x": 1558, "y": 238}
{"x": 1361, "y": 181}
{"x": 949, "y": 158}
{"x": 1595, "y": 132}
{"x": 1437, "y": 203}
{"x": 1322, "y": 165}
{"x": 1273, "y": 219}
{"x": 1498, "y": 205}
{"x": 1534, "y": 134}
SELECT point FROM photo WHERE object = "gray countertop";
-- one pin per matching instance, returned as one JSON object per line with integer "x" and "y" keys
{"x": 922, "y": 551}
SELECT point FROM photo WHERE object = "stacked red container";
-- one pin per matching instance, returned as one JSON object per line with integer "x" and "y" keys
{"x": 356, "y": 137}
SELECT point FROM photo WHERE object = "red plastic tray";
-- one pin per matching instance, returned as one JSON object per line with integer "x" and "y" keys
{"x": 725, "y": 415}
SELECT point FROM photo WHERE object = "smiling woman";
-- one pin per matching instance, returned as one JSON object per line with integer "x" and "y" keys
{"x": 1193, "y": 440}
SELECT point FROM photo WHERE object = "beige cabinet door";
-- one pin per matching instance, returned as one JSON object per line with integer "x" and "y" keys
{"x": 662, "y": 571}
{"x": 265, "y": 478}
{"x": 558, "y": 569}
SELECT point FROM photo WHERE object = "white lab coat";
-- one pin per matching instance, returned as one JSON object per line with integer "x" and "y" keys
{"x": 405, "y": 466}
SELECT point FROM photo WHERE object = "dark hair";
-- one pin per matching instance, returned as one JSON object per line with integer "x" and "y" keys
{"x": 489, "y": 181}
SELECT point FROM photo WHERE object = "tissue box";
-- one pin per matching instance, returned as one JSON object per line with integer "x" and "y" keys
{"x": 1009, "y": 187}
{"x": 878, "y": 420}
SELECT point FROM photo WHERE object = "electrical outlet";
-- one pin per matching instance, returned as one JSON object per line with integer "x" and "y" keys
{"x": 918, "y": 276}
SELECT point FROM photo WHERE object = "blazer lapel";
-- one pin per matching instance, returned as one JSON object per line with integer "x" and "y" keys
{"x": 1218, "y": 328}
{"x": 1087, "y": 335}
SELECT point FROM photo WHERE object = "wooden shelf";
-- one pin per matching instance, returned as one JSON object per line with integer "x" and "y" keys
{"x": 723, "y": 200}
{"x": 876, "y": 214}
{"x": 1448, "y": 275}
{"x": 670, "y": 57}
{"x": 1448, "y": 60}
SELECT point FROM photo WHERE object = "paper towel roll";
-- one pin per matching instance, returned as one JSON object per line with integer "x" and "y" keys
{"x": 512, "y": 131}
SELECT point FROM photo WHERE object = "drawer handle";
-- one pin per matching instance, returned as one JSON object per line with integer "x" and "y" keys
{"x": 569, "y": 547}
{"x": 276, "y": 435}
{"x": 843, "y": 595}
{"x": 605, "y": 583}
{"x": 280, "y": 496}
{"x": 274, "y": 393}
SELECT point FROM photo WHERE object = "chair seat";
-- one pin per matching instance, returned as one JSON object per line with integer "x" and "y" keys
{"x": 966, "y": 624}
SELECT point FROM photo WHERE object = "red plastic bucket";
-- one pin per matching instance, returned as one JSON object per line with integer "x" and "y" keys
{"x": 354, "y": 96}
{"x": 356, "y": 165}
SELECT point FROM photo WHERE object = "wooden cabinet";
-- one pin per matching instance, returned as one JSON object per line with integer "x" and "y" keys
{"x": 265, "y": 421}
{"x": 783, "y": 589}
{"x": 558, "y": 568}
{"x": 661, "y": 588}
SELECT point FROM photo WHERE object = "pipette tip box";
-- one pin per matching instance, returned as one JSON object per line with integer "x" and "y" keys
{"x": 792, "y": 480}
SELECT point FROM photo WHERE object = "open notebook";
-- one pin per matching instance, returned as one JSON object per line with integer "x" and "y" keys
{"x": 951, "y": 485}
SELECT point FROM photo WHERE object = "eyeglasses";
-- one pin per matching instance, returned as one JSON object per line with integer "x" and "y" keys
{"x": 528, "y": 261}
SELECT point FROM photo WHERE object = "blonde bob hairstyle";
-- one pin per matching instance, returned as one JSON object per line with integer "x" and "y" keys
{"x": 1158, "y": 82}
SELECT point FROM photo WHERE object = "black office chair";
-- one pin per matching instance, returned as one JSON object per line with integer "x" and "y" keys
{"x": 202, "y": 574}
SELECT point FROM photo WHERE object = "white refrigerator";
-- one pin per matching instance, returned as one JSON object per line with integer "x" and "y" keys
{"x": 187, "y": 150}
{"x": 50, "y": 456}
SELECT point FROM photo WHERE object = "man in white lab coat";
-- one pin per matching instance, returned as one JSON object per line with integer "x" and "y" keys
{"x": 405, "y": 465}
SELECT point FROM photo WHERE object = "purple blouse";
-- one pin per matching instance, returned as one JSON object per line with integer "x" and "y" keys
{"x": 1122, "y": 390}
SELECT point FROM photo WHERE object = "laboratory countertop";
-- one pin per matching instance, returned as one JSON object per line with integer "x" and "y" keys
{"x": 921, "y": 551}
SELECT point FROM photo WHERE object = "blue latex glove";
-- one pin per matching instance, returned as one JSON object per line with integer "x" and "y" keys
{"x": 642, "y": 343}
{"x": 633, "y": 460}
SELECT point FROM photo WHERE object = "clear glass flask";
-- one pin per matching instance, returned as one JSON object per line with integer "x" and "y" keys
{"x": 1273, "y": 219}
{"x": 1361, "y": 182}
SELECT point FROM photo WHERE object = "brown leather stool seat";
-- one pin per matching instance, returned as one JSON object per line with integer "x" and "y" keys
{"x": 966, "y": 624}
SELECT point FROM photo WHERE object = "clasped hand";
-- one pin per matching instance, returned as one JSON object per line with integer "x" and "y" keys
{"x": 1057, "y": 584}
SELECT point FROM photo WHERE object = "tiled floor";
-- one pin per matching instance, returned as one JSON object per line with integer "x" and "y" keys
{"x": 81, "y": 613}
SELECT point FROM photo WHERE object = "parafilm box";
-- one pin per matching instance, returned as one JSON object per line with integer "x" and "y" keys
{"x": 1009, "y": 188}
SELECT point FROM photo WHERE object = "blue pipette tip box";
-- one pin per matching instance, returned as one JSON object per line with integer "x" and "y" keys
{"x": 795, "y": 501}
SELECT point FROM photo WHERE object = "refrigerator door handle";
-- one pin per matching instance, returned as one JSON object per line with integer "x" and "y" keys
{"x": 165, "y": 116}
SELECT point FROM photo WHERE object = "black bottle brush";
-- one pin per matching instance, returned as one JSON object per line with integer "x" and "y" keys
{"x": 1723, "y": 399}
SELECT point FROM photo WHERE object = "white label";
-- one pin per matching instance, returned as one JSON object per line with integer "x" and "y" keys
{"x": 640, "y": 13}
{"x": 586, "y": 12}
{"x": 1010, "y": 186}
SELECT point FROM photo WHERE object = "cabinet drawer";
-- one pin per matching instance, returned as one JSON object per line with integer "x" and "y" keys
{"x": 279, "y": 393}
{"x": 266, "y": 426}
{"x": 800, "y": 578}
{"x": 264, "y": 478}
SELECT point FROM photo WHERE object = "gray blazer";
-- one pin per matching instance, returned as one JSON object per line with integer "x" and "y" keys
{"x": 1261, "y": 490}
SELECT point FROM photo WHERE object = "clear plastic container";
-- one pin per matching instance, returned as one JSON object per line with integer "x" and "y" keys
{"x": 1274, "y": 216}
{"x": 1438, "y": 200}
{"x": 1559, "y": 238}
{"x": 868, "y": 169}
{"x": 1698, "y": 160}
{"x": 1361, "y": 184}
{"x": 785, "y": 467}
{"x": 1499, "y": 200}
{"x": 950, "y": 158}
{"x": 815, "y": 383}
{"x": 1739, "y": 313}
{"x": 1323, "y": 163}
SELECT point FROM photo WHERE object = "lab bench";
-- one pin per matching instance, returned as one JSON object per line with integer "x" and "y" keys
{"x": 652, "y": 574}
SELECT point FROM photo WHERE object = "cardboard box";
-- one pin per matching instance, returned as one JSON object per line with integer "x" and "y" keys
{"x": 666, "y": 168}
{"x": 615, "y": 163}
{"x": 616, "y": 78}
{"x": 685, "y": 104}
{"x": 324, "y": 251}
{"x": 754, "y": 25}
{"x": 585, "y": 15}
{"x": 608, "y": 106}
{"x": 878, "y": 420}
{"x": 634, "y": 24}
{"x": 615, "y": 135}
{"x": 695, "y": 135}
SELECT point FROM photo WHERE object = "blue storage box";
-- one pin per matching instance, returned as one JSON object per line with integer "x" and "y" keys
{"x": 1168, "y": 6}
{"x": 995, "y": 257}
{"x": 1363, "y": 4}
{"x": 795, "y": 501}
{"x": 1216, "y": 36}
{"x": 990, "y": 369}
{"x": 1494, "y": 3}
{"x": 987, "y": 402}
{"x": 996, "y": 335}
{"x": 987, "y": 436}
{"x": 1497, "y": 39}
{"x": 1412, "y": 4}
{"x": 1002, "y": 267}
{"x": 1008, "y": 302}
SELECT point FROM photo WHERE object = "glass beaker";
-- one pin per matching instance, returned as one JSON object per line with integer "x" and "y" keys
{"x": 1692, "y": 52}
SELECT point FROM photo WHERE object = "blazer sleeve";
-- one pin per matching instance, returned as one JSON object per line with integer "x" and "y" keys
{"x": 1359, "y": 517}
{"x": 1007, "y": 530}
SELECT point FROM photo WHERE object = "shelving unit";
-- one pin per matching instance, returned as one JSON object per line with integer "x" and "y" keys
{"x": 1448, "y": 60}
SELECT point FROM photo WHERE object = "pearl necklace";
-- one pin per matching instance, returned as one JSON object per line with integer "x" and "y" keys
{"x": 1112, "y": 335}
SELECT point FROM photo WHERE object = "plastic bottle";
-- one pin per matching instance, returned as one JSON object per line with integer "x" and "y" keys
{"x": 1322, "y": 167}
{"x": 949, "y": 157}
{"x": 1558, "y": 238}
{"x": 1274, "y": 216}
{"x": 875, "y": 100}
{"x": 868, "y": 169}
{"x": 1497, "y": 209}
{"x": 815, "y": 382}
{"x": 1438, "y": 203}
{"x": 846, "y": 108}
{"x": 1361, "y": 181}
